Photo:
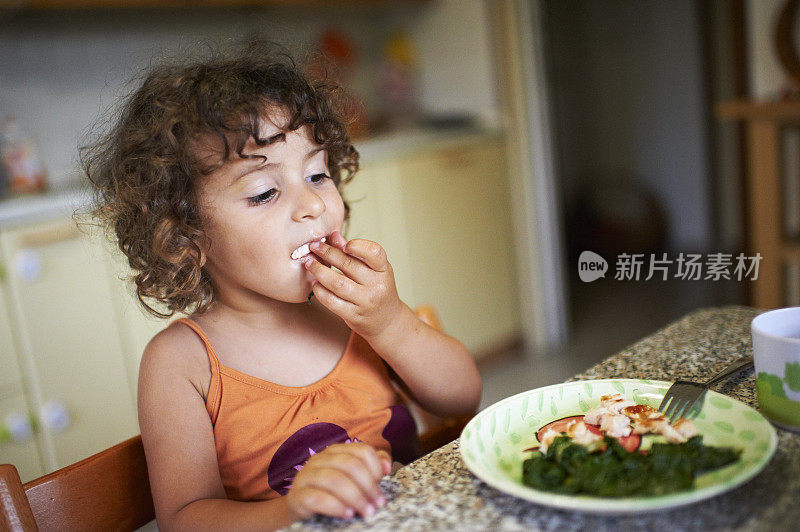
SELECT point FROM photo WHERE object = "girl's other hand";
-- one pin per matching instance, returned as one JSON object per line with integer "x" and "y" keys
{"x": 340, "y": 481}
{"x": 363, "y": 293}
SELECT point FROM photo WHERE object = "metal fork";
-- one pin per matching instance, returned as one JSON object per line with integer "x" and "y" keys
{"x": 681, "y": 398}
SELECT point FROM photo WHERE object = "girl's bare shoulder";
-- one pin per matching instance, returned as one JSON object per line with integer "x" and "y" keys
{"x": 176, "y": 352}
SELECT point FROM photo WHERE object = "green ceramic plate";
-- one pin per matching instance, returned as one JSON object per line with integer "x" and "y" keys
{"x": 492, "y": 443}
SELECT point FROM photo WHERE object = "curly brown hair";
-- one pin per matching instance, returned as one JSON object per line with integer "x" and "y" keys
{"x": 145, "y": 170}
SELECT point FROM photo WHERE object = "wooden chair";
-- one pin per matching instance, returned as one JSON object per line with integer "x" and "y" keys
{"x": 111, "y": 489}
{"x": 107, "y": 491}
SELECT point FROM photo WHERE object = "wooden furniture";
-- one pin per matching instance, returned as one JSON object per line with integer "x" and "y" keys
{"x": 107, "y": 491}
{"x": 765, "y": 123}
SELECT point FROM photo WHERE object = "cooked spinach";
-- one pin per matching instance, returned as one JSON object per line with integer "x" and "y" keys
{"x": 614, "y": 472}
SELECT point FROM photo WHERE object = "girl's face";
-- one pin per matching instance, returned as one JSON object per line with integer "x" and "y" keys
{"x": 257, "y": 213}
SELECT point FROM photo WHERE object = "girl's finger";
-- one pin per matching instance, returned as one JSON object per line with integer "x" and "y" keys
{"x": 386, "y": 461}
{"x": 312, "y": 500}
{"x": 343, "y": 487}
{"x": 351, "y": 266}
{"x": 340, "y": 307}
{"x": 358, "y": 471}
{"x": 364, "y": 453}
{"x": 336, "y": 282}
{"x": 371, "y": 253}
{"x": 338, "y": 240}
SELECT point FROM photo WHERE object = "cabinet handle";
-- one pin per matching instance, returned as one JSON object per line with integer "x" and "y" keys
{"x": 28, "y": 265}
{"x": 55, "y": 416}
{"x": 16, "y": 427}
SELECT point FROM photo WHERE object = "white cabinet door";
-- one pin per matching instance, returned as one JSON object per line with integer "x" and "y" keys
{"x": 18, "y": 449}
{"x": 70, "y": 347}
{"x": 9, "y": 370}
{"x": 443, "y": 217}
{"x": 376, "y": 213}
{"x": 136, "y": 326}
{"x": 459, "y": 238}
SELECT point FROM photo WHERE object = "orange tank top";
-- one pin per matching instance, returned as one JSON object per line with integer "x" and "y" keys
{"x": 265, "y": 432}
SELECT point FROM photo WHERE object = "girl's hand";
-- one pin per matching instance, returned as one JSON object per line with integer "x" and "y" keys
{"x": 364, "y": 293}
{"x": 340, "y": 481}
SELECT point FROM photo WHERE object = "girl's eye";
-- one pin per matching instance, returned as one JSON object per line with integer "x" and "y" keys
{"x": 263, "y": 197}
{"x": 318, "y": 178}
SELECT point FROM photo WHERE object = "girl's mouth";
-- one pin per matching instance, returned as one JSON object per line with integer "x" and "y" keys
{"x": 304, "y": 250}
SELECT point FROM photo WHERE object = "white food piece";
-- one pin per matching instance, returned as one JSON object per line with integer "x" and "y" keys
{"x": 615, "y": 402}
{"x": 580, "y": 434}
{"x": 619, "y": 417}
{"x": 616, "y": 426}
{"x": 685, "y": 428}
{"x": 547, "y": 439}
{"x": 595, "y": 415}
{"x": 303, "y": 250}
{"x": 647, "y": 420}
{"x": 672, "y": 435}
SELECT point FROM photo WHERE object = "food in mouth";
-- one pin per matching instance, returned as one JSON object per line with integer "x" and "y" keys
{"x": 303, "y": 250}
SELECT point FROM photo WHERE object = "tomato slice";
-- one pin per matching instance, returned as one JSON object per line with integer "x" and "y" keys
{"x": 629, "y": 443}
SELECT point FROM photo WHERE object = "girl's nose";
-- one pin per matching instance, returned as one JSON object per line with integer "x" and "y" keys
{"x": 309, "y": 205}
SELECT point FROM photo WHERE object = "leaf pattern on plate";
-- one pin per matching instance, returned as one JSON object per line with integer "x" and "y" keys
{"x": 720, "y": 402}
{"x": 584, "y": 406}
{"x": 724, "y": 426}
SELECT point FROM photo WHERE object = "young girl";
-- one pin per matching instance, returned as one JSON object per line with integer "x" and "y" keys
{"x": 268, "y": 404}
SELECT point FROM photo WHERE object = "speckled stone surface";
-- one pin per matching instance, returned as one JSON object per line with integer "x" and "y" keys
{"x": 438, "y": 493}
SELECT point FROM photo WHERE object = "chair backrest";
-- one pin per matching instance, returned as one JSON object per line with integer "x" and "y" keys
{"x": 111, "y": 490}
{"x": 107, "y": 491}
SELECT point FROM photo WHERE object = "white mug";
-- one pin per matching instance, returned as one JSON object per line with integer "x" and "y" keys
{"x": 776, "y": 353}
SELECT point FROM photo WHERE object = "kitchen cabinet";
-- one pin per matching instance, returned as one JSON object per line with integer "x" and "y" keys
{"x": 10, "y": 375}
{"x": 136, "y": 326}
{"x": 17, "y": 443}
{"x": 68, "y": 342}
{"x": 442, "y": 214}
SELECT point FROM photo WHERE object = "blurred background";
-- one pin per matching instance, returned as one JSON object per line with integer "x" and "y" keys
{"x": 499, "y": 139}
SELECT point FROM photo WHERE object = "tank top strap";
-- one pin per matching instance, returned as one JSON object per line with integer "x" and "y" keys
{"x": 215, "y": 386}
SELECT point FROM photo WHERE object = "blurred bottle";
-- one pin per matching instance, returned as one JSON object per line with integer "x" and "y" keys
{"x": 22, "y": 169}
{"x": 396, "y": 82}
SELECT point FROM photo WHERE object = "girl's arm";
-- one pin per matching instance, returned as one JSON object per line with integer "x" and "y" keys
{"x": 182, "y": 461}
{"x": 436, "y": 368}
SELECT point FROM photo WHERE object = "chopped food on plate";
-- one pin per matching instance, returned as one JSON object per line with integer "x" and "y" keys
{"x": 598, "y": 453}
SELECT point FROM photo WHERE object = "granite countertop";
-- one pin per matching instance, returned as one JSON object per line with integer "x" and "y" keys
{"x": 437, "y": 492}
